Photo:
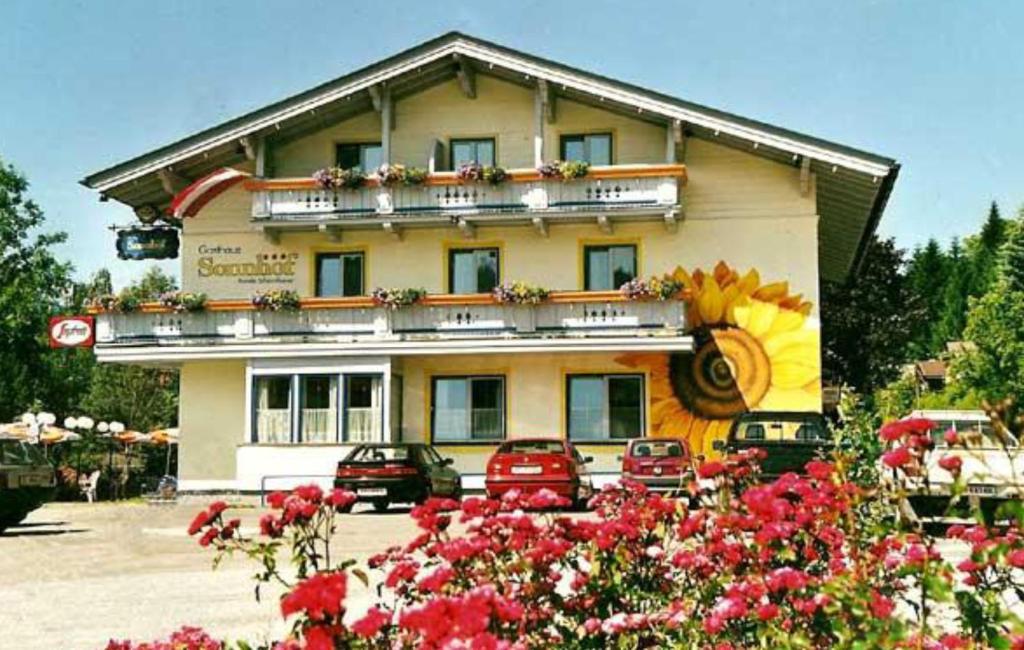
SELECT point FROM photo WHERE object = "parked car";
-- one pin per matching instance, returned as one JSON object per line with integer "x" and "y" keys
{"x": 660, "y": 464}
{"x": 27, "y": 481}
{"x": 992, "y": 465}
{"x": 532, "y": 464}
{"x": 383, "y": 474}
{"x": 790, "y": 439}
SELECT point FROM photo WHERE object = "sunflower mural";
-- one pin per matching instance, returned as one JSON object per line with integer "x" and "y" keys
{"x": 756, "y": 347}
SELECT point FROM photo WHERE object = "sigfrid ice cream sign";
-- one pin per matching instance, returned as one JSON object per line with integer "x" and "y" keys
{"x": 232, "y": 262}
{"x": 72, "y": 332}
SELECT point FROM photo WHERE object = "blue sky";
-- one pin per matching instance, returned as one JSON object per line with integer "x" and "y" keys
{"x": 937, "y": 85}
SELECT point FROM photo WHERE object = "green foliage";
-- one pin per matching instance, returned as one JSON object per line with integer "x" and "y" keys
{"x": 142, "y": 398}
{"x": 857, "y": 440}
{"x": 869, "y": 321}
{"x": 1011, "y": 256}
{"x": 927, "y": 276}
{"x": 33, "y": 286}
{"x": 996, "y": 326}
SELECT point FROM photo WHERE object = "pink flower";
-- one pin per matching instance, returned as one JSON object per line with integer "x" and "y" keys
{"x": 711, "y": 469}
{"x": 319, "y": 596}
{"x": 820, "y": 470}
{"x": 371, "y": 622}
{"x": 881, "y": 606}
{"x": 897, "y": 457}
{"x": 951, "y": 464}
{"x": 951, "y": 437}
{"x": 1016, "y": 558}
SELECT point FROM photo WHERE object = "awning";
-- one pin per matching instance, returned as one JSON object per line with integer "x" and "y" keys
{"x": 191, "y": 200}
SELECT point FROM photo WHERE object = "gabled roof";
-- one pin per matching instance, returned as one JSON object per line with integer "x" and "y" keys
{"x": 852, "y": 190}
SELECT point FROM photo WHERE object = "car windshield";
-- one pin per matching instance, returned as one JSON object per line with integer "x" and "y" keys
{"x": 796, "y": 430}
{"x": 657, "y": 450}
{"x": 16, "y": 452}
{"x": 532, "y": 447}
{"x": 379, "y": 454}
{"x": 978, "y": 434}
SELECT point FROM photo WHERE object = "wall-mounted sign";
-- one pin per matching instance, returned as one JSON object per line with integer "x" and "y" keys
{"x": 147, "y": 243}
{"x": 243, "y": 267}
{"x": 72, "y": 332}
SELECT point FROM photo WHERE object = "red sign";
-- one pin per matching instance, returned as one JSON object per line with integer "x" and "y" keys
{"x": 72, "y": 332}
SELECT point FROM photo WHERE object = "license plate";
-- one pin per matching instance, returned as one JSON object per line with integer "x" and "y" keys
{"x": 981, "y": 490}
{"x": 657, "y": 471}
{"x": 372, "y": 492}
{"x": 526, "y": 469}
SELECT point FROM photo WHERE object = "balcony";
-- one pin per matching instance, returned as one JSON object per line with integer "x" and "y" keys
{"x": 630, "y": 191}
{"x": 440, "y": 324}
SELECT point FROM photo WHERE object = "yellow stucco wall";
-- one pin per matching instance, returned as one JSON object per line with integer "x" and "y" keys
{"x": 212, "y": 419}
{"x": 534, "y": 394}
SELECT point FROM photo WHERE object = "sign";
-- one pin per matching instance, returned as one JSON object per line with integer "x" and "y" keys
{"x": 233, "y": 264}
{"x": 72, "y": 332}
{"x": 147, "y": 243}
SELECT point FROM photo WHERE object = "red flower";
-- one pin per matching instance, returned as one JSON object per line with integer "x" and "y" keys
{"x": 319, "y": 638}
{"x": 820, "y": 470}
{"x": 208, "y": 536}
{"x": 1016, "y": 558}
{"x": 951, "y": 437}
{"x": 892, "y": 431}
{"x": 319, "y": 596}
{"x": 710, "y": 469}
{"x": 198, "y": 523}
{"x": 340, "y": 499}
{"x": 372, "y": 622}
{"x": 767, "y": 611}
{"x": 951, "y": 464}
{"x": 897, "y": 457}
{"x": 881, "y": 606}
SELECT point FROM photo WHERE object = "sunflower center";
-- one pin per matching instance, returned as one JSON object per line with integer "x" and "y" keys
{"x": 726, "y": 375}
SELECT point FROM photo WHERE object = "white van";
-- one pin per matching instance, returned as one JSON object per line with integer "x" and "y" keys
{"x": 993, "y": 465}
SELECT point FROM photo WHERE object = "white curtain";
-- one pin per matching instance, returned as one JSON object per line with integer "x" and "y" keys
{"x": 320, "y": 423}
{"x": 363, "y": 423}
{"x": 273, "y": 425}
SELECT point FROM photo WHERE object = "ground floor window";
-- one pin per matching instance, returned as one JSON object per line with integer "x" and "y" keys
{"x": 467, "y": 409}
{"x": 320, "y": 408}
{"x": 605, "y": 407}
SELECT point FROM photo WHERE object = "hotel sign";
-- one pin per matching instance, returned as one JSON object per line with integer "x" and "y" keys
{"x": 232, "y": 263}
{"x": 147, "y": 243}
{"x": 72, "y": 332}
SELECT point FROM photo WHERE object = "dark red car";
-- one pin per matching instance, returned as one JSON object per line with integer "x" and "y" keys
{"x": 382, "y": 474}
{"x": 532, "y": 464}
{"x": 661, "y": 464}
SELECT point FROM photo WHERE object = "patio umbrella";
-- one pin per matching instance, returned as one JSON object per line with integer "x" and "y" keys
{"x": 167, "y": 437}
{"x": 17, "y": 430}
{"x": 53, "y": 435}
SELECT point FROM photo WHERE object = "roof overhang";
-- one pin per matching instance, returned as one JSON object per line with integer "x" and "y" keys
{"x": 853, "y": 185}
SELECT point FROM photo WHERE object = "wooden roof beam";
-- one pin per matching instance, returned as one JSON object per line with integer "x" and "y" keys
{"x": 172, "y": 182}
{"x": 547, "y": 99}
{"x": 466, "y": 75}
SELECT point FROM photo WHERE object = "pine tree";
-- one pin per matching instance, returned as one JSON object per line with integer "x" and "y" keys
{"x": 983, "y": 251}
{"x": 927, "y": 277}
{"x": 1011, "y": 256}
{"x": 955, "y": 296}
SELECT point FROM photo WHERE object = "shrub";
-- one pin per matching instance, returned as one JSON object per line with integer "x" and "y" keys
{"x": 121, "y": 304}
{"x": 280, "y": 300}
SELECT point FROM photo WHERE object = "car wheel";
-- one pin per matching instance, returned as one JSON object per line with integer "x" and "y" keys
{"x": 345, "y": 509}
{"x": 380, "y": 506}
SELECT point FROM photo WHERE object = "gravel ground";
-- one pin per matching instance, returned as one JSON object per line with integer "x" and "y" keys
{"x": 75, "y": 575}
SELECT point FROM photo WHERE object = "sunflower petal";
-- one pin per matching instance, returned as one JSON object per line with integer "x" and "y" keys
{"x": 711, "y": 302}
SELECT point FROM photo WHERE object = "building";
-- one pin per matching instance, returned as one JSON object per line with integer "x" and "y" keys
{"x": 747, "y": 216}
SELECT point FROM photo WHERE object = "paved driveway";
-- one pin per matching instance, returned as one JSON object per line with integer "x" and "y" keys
{"x": 75, "y": 575}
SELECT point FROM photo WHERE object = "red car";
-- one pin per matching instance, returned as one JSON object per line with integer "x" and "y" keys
{"x": 532, "y": 464}
{"x": 661, "y": 464}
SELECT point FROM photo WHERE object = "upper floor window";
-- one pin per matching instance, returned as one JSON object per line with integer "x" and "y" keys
{"x": 339, "y": 274}
{"x": 606, "y": 268}
{"x": 605, "y": 407}
{"x": 594, "y": 148}
{"x": 473, "y": 270}
{"x": 366, "y": 156}
{"x": 477, "y": 150}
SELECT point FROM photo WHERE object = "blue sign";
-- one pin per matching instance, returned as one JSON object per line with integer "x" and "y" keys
{"x": 147, "y": 243}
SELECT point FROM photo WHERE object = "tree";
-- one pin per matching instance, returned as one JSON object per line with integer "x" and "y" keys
{"x": 995, "y": 325}
{"x": 869, "y": 321}
{"x": 983, "y": 250}
{"x": 149, "y": 287}
{"x": 1011, "y": 256}
{"x": 33, "y": 286}
{"x": 927, "y": 277}
{"x": 955, "y": 294}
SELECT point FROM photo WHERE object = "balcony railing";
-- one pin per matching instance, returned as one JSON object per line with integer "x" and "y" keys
{"x": 355, "y": 321}
{"x": 637, "y": 188}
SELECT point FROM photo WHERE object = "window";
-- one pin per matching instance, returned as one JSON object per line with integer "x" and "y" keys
{"x": 606, "y": 268}
{"x": 364, "y": 414}
{"x": 468, "y": 409}
{"x": 595, "y": 148}
{"x": 480, "y": 151}
{"x": 318, "y": 418}
{"x": 473, "y": 270}
{"x": 339, "y": 274}
{"x": 605, "y": 407}
{"x": 273, "y": 409}
{"x": 366, "y": 156}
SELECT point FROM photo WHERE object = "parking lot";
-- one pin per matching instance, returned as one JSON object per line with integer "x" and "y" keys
{"x": 75, "y": 575}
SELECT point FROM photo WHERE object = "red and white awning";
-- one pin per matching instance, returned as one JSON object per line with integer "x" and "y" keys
{"x": 191, "y": 200}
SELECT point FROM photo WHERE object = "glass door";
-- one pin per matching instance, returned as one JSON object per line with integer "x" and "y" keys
{"x": 363, "y": 408}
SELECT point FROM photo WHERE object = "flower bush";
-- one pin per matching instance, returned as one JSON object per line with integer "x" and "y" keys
{"x": 187, "y": 638}
{"x": 794, "y": 563}
{"x": 279, "y": 300}
{"x": 566, "y": 170}
{"x": 520, "y": 293}
{"x": 336, "y": 178}
{"x": 396, "y": 298}
{"x": 183, "y": 301}
{"x": 120, "y": 304}
{"x": 476, "y": 173}
{"x": 392, "y": 175}
{"x": 663, "y": 288}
